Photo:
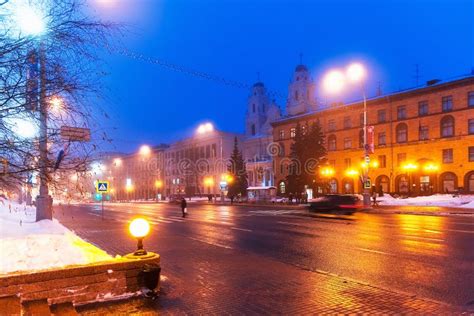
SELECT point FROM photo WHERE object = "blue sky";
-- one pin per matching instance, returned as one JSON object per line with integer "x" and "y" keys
{"x": 236, "y": 39}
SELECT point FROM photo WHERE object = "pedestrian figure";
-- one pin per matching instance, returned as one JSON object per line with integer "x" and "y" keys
{"x": 184, "y": 207}
{"x": 374, "y": 198}
{"x": 231, "y": 199}
{"x": 290, "y": 197}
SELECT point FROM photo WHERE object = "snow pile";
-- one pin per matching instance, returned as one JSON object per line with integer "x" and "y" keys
{"x": 442, "y": 200}
{"x": 29, "y": 246}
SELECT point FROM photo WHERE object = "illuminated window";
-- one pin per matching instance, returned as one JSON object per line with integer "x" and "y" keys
{"x": 292, "y": 132}
{"x": 471, "y": 154}
{"x": 361, "y": 138}
{"x": 281, "y": 134}
{"x": 382, "y": 161}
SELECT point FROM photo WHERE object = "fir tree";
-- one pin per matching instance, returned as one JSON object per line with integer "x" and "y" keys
{"x": 238, "y": 171}
{"x": 308, "y": 153}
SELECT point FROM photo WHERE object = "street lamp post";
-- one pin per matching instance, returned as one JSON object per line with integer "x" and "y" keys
{"x": 334, "y": 81}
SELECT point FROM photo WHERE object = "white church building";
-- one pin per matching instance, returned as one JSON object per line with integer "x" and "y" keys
{"x": 258, "y": 146}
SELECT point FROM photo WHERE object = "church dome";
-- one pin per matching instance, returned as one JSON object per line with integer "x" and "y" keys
{"x": 301, "y": 68}
{"x": 258, "y": 84}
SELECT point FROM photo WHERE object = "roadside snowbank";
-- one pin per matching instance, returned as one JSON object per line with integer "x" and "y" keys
{"x": 442, "y": 200}
{"x": 29, "y": 246}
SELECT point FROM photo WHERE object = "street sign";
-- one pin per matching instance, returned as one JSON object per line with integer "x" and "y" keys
{"x": 75, "y": 134}
{"x": 102, "y": 187}
{"x": 367, "y": 159}
{"x": 367, "y": 184}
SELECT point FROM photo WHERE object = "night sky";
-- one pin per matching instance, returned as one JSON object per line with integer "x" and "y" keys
{"x": 237, "y": 39}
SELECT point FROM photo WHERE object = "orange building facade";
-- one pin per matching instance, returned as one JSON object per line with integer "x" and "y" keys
{"x": 423, "y": 140}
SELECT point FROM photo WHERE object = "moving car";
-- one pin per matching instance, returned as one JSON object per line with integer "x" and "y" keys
{"x": 341, "y": 203}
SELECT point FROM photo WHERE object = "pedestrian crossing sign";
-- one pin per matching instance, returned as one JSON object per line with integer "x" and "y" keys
{"x": 102, "y": 187}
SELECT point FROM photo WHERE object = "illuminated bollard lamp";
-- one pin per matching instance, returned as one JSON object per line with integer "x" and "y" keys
{"x": 149, "y": 275}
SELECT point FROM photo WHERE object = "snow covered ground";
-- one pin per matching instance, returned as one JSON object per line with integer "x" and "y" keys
{"x": 446, "y": 200}
{"x": 29, "y": 246}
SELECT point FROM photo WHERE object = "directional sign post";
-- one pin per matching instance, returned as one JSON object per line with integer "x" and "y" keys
{"x": 102, "y": 187}
{"x": 367, "y": 184}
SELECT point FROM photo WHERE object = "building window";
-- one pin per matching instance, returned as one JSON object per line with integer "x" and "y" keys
{"x": 470, "y": 126}
{"x": 347, "y": 122}
{"x": 214, "y": 151}
{"x": 470, "y": 99}
{"x": 423, "y": 108}
{"x": 401, "y": 112}
{"x": 424, "y": 133}
{"x": 303, "y": 129}
{"x": 381, "y": 116}
{"x": 282, "y": 187}
{"x": 471, "y": 154}
{"x": 282, "y": 150}
{"x": 347, "y": 143}
{"x": 332, "y": 163}
{"x": 253, "y": 129}
{"x": 296, "y": 95}
{"x": 347, "y": 162}
{"x": 401, "y": 158}
{"x": 361, "y": 119}
{"x": 402, "y": 133}
{"x": 292, "y": 132}
{"x": 331, "y": 125}
{"x": 447, "y": 126}
{"x": 382, "y": 161}
{"x": 448, "y": 155}
{"x": 331, "y": 143}
{"x": 382, "y": 139}
{"x": 253, "y": 107}
{"x": 361, "y": 138}
{"x": 447, "y": 103}
{"x": 281, "y": 134}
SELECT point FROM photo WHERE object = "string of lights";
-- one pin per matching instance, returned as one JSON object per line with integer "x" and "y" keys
{"x": 188, "y": 71}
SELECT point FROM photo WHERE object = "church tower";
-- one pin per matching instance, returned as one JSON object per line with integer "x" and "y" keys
{"x": 257, "y": 106}
{"x": 301, "y": 92}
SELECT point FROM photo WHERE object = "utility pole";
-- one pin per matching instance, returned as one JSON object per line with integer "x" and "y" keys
{"x": 44, "y": 202}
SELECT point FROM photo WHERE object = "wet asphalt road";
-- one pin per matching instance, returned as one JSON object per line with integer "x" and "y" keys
{"x": 428, "y": 256}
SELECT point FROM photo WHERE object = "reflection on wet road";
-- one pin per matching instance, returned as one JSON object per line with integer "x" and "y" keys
{"x": 430, "y": 256}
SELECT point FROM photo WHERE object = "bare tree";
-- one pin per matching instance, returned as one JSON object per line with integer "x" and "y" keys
{"x": 70, "y": 85}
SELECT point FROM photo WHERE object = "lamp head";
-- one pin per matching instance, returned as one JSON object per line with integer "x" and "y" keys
{"x": 333, "y": 81}
{"x": 356, "y": 72}
{"x": 139, "y": 228}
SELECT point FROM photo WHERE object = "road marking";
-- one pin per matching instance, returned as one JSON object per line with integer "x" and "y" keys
{"x": 419, "y": 237}
{"x": 294, "y": 224}
{"x": 242, "y": 229}
{"x": 373, "y": 251}
{"x": 210, "y": 243}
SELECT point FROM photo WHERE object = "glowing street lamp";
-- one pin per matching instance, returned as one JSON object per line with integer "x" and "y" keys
{"x": 145, "y": 150}
{"x": 205, "y": 128}
{"x": 29, "y": 20}
{"x": 139, "y": 228}
{"x": 351, "y": 173}
{"x": 327, "y": 172}
{"x": 334, "y": 82}
{"x": 117, "y": 162}
{"x": 430, "y": 168}
{"x": 56, "y": 104}
{"x": 409, "y": 167}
